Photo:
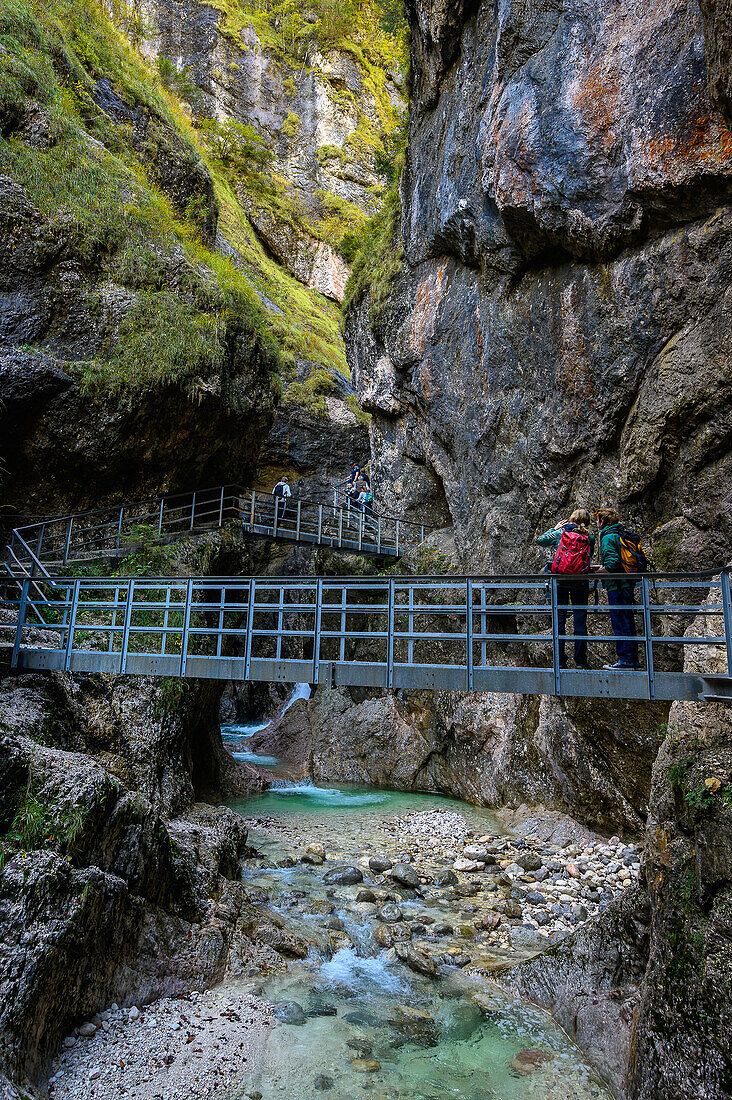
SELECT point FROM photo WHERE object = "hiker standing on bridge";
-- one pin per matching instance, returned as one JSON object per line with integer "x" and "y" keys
{"x": 573, "y": 546}
{"x": 282, "y": 494}
{"x": 618, "y": 550}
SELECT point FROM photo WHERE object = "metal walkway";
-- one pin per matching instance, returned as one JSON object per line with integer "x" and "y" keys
{"x": 467, "y": 633}
{"x": 50, "y": 544}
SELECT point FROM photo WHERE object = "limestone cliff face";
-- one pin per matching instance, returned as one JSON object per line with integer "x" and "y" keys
{"x": 322, "y": 108}
{"x": 560, "y": 330}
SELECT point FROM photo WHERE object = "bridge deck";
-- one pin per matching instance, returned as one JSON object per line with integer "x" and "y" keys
{"x": 442, "y": 633}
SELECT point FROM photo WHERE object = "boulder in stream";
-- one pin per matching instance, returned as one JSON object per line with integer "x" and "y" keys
{"x": 406, "y": 875}
{"x": 343, "y": 875}
{"x": 416, "y": 959}
{"x": 289, "y": 1012}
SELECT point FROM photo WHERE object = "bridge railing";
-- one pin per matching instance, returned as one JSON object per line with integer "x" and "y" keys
{"x": 466, "y": 633}
{"x": 50, "y": 544}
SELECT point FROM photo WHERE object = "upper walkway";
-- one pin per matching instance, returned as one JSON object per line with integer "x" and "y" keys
{"x": 467, "y": 633}
{"x": 47, "y": 546}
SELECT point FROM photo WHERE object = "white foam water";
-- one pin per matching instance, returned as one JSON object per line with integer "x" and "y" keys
{"x": 256, "y": 758}
{"x": 301, "y": 691}
{"x": 362, "y": 974}
{"x": 324, "y": 796}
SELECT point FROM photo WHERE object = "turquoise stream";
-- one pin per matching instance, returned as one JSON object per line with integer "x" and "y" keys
{"x": 462, "y": 1049}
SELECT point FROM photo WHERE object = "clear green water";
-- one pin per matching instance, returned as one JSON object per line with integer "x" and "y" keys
{"x": 461, "y": 1049}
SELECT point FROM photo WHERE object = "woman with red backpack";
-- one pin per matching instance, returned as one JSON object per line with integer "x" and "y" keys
{"x": 573, "y": 545}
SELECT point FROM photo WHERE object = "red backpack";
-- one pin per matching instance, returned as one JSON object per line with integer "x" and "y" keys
{"x": 573, "y": 553}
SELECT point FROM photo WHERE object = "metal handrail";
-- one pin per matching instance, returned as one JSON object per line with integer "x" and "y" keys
{"x": 397, "y": 632}
{"x": 59, "y": 539}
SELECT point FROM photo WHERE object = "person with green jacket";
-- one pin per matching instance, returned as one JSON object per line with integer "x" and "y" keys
{"x": 620, "y": 592}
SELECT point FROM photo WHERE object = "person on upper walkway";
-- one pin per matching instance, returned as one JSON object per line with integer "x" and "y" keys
{"x": 620, "y": 592}
{"x": 573, "y": 546}
{"x": 281, "y": 493}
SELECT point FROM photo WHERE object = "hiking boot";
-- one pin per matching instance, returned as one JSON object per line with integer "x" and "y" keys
{"x": 583, "y": 665}
{"x": 622, "y": 665}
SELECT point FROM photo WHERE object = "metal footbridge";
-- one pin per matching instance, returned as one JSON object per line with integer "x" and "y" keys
{"x": 494, "y": 633}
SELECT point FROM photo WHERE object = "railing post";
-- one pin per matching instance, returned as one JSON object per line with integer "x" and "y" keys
{"x": 297, "y": 524}
{"x": 186, "y": 628}
{"x": 483, "y": 628}
{"x": 221, "y": 507}
{"x": 320, "y": 524}
{"x": 276, "y": 514}
{"x": 193, "y": 511}
{"x": 360, "y": 530}
{"x": 251, "y": 516}
{"x": 390, "y": 638}
{"x": 340, "y": 527}
{"x": 342, "y": 638}
{"x": 125, "y": 627}
{"x": 21, "y": 617}
{"x": 410, "y": 643}
{"x": 555, "y": 636}
{"x": 648, "y": 642}
{"x": 160, "y": 517}
{"x": 119, "y": 526}
{"x": 71, "y": 626}
{"x": 250, "y": 628}
{"x": 40, "y": 540}
{"x": 68, "y": 539}
{"x": 316, "y": 629}
{"x": 422, "y": 534}
{"x": 378, "y": 537}
{"x": 469, "y": 631}
{"x": 280, "y": 612}
{"x": 397, "y": 538}
{"x": 727, "y": 613}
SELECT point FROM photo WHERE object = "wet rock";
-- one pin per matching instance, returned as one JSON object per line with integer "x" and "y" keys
{"x": 285, "y": 943}
{"x": 323, "y": 1083}
{"x": 446, "y": 878}
{"x": 529, "y": 1060}
{"x": 386, "y": 935}
{"x": 406, "y": 875}
{"x": 87, "y": 1030}
{"x": 344, "y": 875}
{"x": 390, "y": 914}
{"x": 416, "y": 960}
{"x": 414, "y": 1024}
{"x": 362, "y": 1018}
{"x": 289, "y": 1012}
{"x": 314, "y": 854}
{"x": 366, "y": 895}
{"x": 378, "y": 864}
{"x": 365, "y": 1065}
{"x": 488, "y": 922}
{"x": 320, "y": 907}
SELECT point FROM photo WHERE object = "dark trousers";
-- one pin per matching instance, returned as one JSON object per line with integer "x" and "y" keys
{"x": 576, "y": 593}
{"x": 280, "y": 507}
{"x": 622, "y": 618}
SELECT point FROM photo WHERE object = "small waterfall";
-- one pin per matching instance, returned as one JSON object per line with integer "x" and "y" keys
{"x": 300, "y": 691}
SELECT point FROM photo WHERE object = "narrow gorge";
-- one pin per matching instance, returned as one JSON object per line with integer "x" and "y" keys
{"x": 483, "y": 252}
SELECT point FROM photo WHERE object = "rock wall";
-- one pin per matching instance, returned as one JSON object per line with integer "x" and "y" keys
{"x": 492, "y": 750}
{"x": 116, "y": 882}
{"x": 559, "y": 332}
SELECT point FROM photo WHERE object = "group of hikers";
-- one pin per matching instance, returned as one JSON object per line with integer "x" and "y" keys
{"x": 620, "y": 553}
{"x": 357, "y": 488}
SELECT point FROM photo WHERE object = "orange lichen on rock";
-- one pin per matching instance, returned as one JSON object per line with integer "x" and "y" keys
{"x": 424, "y": 311}
{"x": 596, "y": 100}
